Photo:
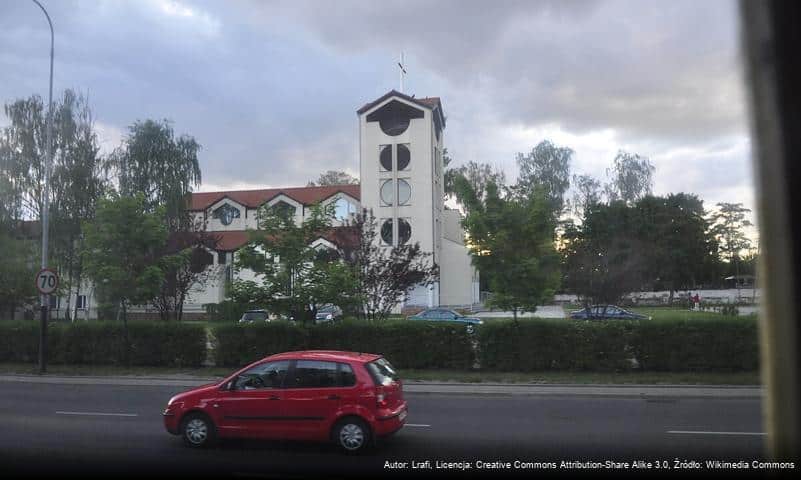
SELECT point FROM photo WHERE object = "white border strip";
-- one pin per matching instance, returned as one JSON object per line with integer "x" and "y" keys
{"x": 417, "y": 425}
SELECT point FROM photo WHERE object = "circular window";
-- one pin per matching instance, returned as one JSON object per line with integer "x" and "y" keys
{"x": 387, "y": 193}
{"x": 394, "y": 124}
{"x": 404, "y": 192}
{"x": 403, "y": 157}
{"x": 404, "y": 231}
{"x": 386, "y": 232}
{"x": 385, "y": 158}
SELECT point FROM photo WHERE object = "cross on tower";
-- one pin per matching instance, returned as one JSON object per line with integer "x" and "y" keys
{"x": 401, "y": 71}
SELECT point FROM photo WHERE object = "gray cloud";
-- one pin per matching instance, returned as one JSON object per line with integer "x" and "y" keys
{"x": 270, "y": 88}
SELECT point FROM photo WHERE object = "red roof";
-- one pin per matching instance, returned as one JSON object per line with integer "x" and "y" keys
{"x": 255, "y": 198}
{"x": 331, "y": 355}
{"x": 234, "y": 239}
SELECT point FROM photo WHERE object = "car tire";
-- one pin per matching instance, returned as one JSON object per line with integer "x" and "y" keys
{"x": 198, "y": 431}
{"x": 352, "y": 435}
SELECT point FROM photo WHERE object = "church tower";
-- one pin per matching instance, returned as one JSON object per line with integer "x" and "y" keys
{"x": 400, "y": 155}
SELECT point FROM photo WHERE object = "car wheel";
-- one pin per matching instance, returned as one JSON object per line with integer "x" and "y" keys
{"x": 198, "y": 431}
{"x": 352, "y": 435}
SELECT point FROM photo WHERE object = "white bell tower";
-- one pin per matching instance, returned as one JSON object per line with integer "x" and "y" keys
{"x": 400, "y": 155}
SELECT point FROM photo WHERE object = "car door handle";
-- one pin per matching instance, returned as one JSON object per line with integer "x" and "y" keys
{"x": 333, "y": 397}
{"x": 274, "y": 397}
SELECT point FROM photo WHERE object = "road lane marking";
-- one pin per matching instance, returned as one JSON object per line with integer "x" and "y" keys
{"x": 418, "y": 425}
{"x": 99, "y": 414}
{"x": 694, "y": 432}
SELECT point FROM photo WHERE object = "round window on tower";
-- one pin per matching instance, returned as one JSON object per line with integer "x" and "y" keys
{"x": 404, "y": 192}
{"x": 404, "y": 231}
{"x": 385, "y": 157}
{"x": 387, "y": 193}
{"x": 386, "y": 232}
{"x": 404, "y": 157}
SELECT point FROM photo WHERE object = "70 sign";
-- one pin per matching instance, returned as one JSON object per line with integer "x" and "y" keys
{"x": 46, "y": 281}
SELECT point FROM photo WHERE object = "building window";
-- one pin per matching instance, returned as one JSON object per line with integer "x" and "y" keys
{"x": 387, "y": 193}
{"x": 54, "y": 302}
{"x": 343, "y": 209}
{"x": 386, "y": 232}
{"x": 226, "y": 214}
{"x": 385, "y": 157}
{"x": 222, "y": 258}
{"x": 283, "y": 210}
{"x": 404, "y": 157}
{"x": 404, "y": 231}
{"x": 80, "y": 302}
{"x": 404, "y": 192}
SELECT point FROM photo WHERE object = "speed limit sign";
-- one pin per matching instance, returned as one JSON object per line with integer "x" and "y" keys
{"x": 46, "y": 281}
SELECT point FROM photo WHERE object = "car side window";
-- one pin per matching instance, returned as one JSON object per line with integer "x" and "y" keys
{"x": 266, "y": 375}
{"x": 314, "y": 374}
{"x": 346, "y": 376}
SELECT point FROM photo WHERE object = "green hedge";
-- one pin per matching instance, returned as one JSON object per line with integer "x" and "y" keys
{"x": 555, "y": 344}
{"x": 102, "y": 343}
{"x": 712, "y": 344}
{"x": 406, "y": 344}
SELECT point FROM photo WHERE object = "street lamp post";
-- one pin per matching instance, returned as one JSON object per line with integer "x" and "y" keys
{"x": 46, "y": 202}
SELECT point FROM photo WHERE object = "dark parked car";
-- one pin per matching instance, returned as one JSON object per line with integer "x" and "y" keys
{"x": 601, "y": 312}
{"x": 345, "y": 397}
{"x": 445, "y": 315}
{"x": 252, "y": 316}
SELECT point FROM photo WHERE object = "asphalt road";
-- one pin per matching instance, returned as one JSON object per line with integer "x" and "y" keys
{"x": 112, "y": 430}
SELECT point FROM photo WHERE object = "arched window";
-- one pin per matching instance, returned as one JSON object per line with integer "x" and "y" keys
{"x": 404, "y": 157}
{"x": 404, "y": 231}
{"x": 226, "y": 214}
{"x": 283, "y": 210}
{"x": 404, "y": 192}
{"x": 386, "y": 232}
{"x": 343, "y": 209}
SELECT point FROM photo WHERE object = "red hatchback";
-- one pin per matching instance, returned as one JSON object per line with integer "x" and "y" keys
{"x": 350, "y": 398}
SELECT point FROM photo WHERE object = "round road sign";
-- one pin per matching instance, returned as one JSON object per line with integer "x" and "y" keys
{"x": 46, "y": 281}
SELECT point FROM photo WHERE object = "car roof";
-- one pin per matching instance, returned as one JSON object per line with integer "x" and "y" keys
{"x": 329, "y": 355}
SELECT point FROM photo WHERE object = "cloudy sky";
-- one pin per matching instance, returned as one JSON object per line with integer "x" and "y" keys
{"x": 270, "y": 89}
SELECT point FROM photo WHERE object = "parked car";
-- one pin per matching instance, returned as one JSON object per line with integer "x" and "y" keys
{"x": 600, "y": 312}
{"x": 252, "y": 316}
{"x": 345, "y": 397}
{"x": 328, "y": 314}
{"x": 445, "y": 315}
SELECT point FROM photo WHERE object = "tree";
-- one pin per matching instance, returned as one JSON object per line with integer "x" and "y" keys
{"x": 546, "y": 166}
{"x": 477, "y": 176}
{"x": 384, "y": 276}
{"x": 631, "y": 178}
{"x": 728, "y": 226}
{"x": 511, "y": 241}
{"x": 334, "y": 177}
{"x": 121, "y": 252}
{"x": 76, "y": 180}
{"x": 680, "y": 246}
{"x": 185, "y": 261}
{"x": 588, "y": 193}
{"x": 163, "y": 168}
{"x": 603, "y": 259}
{"x": 17, "y": 272}
{"x": 296, "y": 278}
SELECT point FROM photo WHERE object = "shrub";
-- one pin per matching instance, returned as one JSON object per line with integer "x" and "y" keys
{"x": 406, "y": 344}
{"x": 103, "y": 343}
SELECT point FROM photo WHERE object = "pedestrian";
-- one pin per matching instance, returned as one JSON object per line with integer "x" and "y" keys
{"x": 697, "y": 301}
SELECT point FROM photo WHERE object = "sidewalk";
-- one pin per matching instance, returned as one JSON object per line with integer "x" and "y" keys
{"x": 443, "y": 388}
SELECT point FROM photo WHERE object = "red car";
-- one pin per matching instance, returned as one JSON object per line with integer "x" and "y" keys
{"x": 347, "y": 397}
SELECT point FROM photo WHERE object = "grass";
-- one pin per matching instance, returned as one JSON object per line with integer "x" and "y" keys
{"x": 577, "y": 378}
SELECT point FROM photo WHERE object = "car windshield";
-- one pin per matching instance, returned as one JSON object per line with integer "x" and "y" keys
{"x": 382, "y": 372}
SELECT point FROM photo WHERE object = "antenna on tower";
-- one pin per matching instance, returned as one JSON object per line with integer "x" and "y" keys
{"x": 401, "y": 71}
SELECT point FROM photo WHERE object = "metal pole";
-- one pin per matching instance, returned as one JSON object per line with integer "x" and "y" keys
{"x": 46, "y": 202}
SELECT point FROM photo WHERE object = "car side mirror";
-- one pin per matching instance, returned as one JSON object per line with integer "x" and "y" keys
{"x": 227, "y": 386}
